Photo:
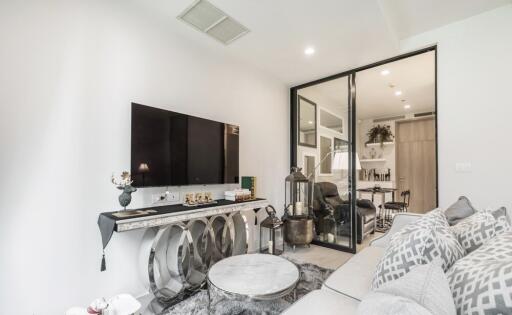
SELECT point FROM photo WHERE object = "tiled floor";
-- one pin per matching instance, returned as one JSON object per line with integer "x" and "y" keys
{"x": 323, "y": 256}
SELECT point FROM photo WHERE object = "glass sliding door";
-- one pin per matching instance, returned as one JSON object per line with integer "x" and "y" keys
{"x": 322, "y": 145}
{"x": 369, "y": 153}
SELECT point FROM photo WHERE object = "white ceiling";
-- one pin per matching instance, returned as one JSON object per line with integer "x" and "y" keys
{"x": 414, "y": 76}
{"x": 345, "y": 33}
{"x": 410, "y": 17}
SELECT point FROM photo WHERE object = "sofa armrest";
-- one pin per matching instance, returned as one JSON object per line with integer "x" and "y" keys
{"x": 399, "y": 221}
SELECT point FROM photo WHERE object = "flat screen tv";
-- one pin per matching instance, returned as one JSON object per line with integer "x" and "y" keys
{"x": 174, "y": 149}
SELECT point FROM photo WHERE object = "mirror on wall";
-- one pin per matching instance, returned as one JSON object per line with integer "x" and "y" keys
{"x": 307, "y": 122}
{"x": 331, "y": 121}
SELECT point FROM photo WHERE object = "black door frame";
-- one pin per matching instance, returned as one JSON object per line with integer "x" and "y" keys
{"x": 351, "y": 74}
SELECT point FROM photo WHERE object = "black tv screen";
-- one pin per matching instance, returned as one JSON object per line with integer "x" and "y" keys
{"x": 174, "y": 149}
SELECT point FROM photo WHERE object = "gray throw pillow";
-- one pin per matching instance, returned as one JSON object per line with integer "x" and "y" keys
{"x": 461, "y": 209}
{"x": 502, "y": 220}
{"x": 425, "y": 285}
{"x": 473, "y": 231}
{"x": 425, "y": 244}
{"x": 432, "y": 218}
{"x": 481, "y": 282}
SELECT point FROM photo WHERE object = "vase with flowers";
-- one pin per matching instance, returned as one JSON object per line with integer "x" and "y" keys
{"x": 124, "y": 183}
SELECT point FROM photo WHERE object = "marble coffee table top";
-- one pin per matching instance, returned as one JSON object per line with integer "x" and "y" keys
{"x": 254, "y": 275}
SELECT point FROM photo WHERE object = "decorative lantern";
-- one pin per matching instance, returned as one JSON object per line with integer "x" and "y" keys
{"x": 271, "y": 225}
{"x": 297, "y": 194}
{"x": 298, "y": 222}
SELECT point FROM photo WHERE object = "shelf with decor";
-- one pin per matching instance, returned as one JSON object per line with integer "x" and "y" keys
{"x": 372, "y": 160}
{"x": 378, "y": 144}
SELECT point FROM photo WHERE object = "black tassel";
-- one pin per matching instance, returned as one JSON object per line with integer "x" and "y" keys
{"x": 103, "y": 263}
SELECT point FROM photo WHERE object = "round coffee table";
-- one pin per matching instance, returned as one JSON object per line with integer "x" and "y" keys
{"x": 254, "y": 277}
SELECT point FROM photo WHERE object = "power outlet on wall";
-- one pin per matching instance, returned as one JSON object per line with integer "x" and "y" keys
{"x": 463, "y": 167}
{"x": 165, "y": 197}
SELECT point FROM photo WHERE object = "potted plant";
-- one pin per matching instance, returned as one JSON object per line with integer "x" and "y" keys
{"x": 380, "y": 134}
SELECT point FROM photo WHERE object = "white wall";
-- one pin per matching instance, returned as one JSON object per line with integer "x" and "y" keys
{"x": 69, "y": 71}
{"x": 474, "y": 106}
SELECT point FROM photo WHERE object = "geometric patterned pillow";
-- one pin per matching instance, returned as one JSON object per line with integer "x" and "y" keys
{"x": 419, "y": 247}
{"x": 502, "y": 222}
{"x": 475, "y": 230}
{"x": 481, "y": 282}
{"x": 431, "y": 219}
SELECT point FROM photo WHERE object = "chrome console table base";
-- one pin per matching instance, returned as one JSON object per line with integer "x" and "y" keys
{"x": 182, "y": 251}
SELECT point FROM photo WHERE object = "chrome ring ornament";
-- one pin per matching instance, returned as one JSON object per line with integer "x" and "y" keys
{"x": 170, "y": 261}
{"x": 201, "y": 258}
{"x": 222, "y": 235}
{"x": 240, "y": 230}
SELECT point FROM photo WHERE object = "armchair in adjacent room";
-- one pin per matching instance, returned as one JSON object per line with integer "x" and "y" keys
{"x": 330, "y": 209}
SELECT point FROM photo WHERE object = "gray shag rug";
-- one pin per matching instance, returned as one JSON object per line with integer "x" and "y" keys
{"x": 311, "y": 278}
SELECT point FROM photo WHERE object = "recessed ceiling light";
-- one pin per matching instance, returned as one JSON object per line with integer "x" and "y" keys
{"x": 407, "y": 106}
{"x": 398, "y": 93}
{"x": 309, "y": 51}
{"x": 310, "y": 122}
{"x": 385, "y": 72}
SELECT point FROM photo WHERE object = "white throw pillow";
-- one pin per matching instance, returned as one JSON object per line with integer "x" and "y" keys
{"x": 425, "y": 285}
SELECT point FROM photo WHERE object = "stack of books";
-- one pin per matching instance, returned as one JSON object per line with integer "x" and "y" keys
{"x": 249, "y": 182}
{"x": 238, "y": 195}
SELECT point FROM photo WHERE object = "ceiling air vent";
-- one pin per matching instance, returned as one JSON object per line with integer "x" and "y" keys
{"x": 424, "y": 114}
{"x": 389, "y": 118}
{"x": 207, "y": 18}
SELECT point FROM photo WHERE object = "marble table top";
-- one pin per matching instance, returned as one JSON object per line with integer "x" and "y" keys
{"x": 254, "y": 275}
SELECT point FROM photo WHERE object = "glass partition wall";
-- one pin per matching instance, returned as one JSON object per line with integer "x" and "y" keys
{"x": 325, "y": 140}
{"x": 321, "y": 146}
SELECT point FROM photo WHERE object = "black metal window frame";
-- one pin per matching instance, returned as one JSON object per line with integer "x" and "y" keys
{"x": 351, "y": 74}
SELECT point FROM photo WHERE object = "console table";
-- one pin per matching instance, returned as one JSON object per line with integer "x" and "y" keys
{"x": 175, "y": 213}
{"x": 181, "y": 242}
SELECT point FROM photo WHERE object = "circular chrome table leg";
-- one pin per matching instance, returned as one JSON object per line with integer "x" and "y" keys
{"x": 223, "y": 236}
{"x": 202, "y": 240}
{"x": 170, "y": 261}
{"x": 240, "y": 231}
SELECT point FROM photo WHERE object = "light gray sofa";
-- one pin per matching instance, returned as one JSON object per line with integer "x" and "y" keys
{"x": 346, "y": 287}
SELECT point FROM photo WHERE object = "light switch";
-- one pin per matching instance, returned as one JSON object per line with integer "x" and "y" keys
{"x": 463, "y": 167}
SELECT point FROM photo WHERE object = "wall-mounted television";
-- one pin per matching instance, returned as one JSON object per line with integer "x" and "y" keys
{"x": 175, "y": 149}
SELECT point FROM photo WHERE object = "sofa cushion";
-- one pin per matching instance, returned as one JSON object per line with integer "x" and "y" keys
{"x": 354, "y": 278}
{"x": 430, "y": 239}
{"x": 502, "y": 220}
{"x": 425, "y": 285}
{"x": 435, "y": 217}
{"x": 325, "y": 302}
{"x": 481, "y": 282}
{"x": 377, "y": 303}
{"x": 473, "y": 231}
{"x": 461, "y": 209}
